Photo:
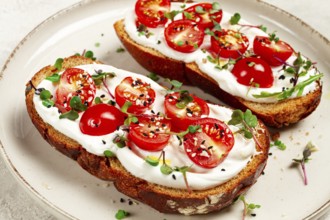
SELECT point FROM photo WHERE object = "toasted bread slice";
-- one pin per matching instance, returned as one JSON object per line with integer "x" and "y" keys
{"x": 279, "y": 114}
{"x": 163, "y": 199}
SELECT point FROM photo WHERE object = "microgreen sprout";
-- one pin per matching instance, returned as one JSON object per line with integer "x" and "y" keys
{"x": 76, "y": 106}
{"x": 109, "y": 153}
{"x": 120, "y": 50}
{"x": 248, "y": 207}
{"x": 58, "y": 64}
{"x": 100, "y": 77}
{"x": 153, "y": 76}
{"x": 184, "y": 170}
{"x": 46, "y": 98}
{"x": 121, "y": 214}
{"x": 131, "y": 118}
{"x": 235, "y": 19}
{"x": 120, "y": 141}
{"x": 279, "y": 144}
{"x": 307, "y": 152}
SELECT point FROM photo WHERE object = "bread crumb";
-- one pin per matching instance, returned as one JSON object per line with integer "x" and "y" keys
{"x": 275, "y": 136}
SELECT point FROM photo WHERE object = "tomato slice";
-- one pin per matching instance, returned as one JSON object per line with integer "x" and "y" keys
{"x": 101, "y": 119}
{"x": 203, "y": 14}
{"x": 150, "y": 133}
{"x": 151, "y": 13}
{"x": 211, "y": 146}
{"x": 74, "y": 82}
{"x": 184, "y": 114}
{"x": 274, "y": 53}
{"x": 139, "y": 93}
{"x": 184, "y": 36}
{"x": 229, "y": 44}
{"x": 253, "y": 71}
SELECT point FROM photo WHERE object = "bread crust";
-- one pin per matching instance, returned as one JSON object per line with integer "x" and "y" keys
{"x": 161, "y": 198}
{"x": 283, "y": 113}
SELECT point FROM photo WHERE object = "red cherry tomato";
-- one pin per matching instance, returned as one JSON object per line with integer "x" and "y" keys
{"x": 74, "y": 82}
{"x": 211, "y": 146}
{"x": 274, "y": 53}
{"x": 139, "y": 93}
{"x": 183, "y": 115}
{"x": 101, "y": 119}
{"x": 184, "y": 36}
{"x": 253, "y": 71}
{"x": 203, "y": 14}
{"x": 150, "y": 133}
{"x": 151, "y": 13}
{"x": 229, "y": 43}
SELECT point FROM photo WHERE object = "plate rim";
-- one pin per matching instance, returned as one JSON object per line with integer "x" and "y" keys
{"x": 31, "y": 190}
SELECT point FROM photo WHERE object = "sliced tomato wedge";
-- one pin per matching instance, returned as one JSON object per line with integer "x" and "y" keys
{"x": 184, "y": 36}
{"x": 253, "y": 71}
{"x": 275, "y": 53}
{"x": 150, "y": 133}
{"x": 211, "y": 146}
{"x": 151, "y": 13}
{"x": 101, "y": 119}
{"x": 182, "y": 112}
{"x": 229, "y": 43}
{"x": 203, "y": 14}
{"x": 139, "y": 93}
{"x": 74, "y": 82}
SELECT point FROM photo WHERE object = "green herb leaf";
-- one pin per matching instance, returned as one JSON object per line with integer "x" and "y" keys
{"x": 153, "y": 76}
{"x": 273, "y": 37}
{"x": 121, "y": 214}
{"x": 125, "y": 107}
{"x": 166, "y": 169}
{"x": 45, "y": 94}
{"x": 54, "y": 78}
{"x": 152, "y": 161}
{"x": 170, "y": 15}
{"x": 250, "y": 119}
{"x": 279, "y": 144}
{"x": 90, "y": 54}
{"x": 236, "y": 117}
{"x": 48, "y": 103}
{"x": 109, "y": 153}
{"x": 174, "y": 83}
{"x": 58, "y": 64}
{"x": 120, "y": 141}
{"x": 194, "y": 128}
{"x": 263, "y": 28}
{"x": 188, "y": 15}
{"x": 76, "y": 104}
{"x": 98, "y": 100}
{"x": 200, "y": 10}
{"x": 120, "y": 50}
{"x": 100, "y": 76}
{"x": 235, "y": 19}
{"x": 216, "y": 6}
{"x": 71, "y": 115}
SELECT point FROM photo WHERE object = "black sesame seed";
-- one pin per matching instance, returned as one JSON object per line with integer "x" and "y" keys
{"x": 103, "y": 141}
{"x": 173, "y": 176}
{"x": 122, "y": 200}
{"x": 281, "y": 77}
{"x": 102, "y": 96}
{"x": 130, "y": 202}
{"x": 270, "y": 154}
{"x": 223, "y": 169}
{"x": 253, "y": 214}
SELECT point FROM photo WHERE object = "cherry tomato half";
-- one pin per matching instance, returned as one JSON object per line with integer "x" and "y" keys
{"x": 203, "y": 14}
{"x": 211, "y": 146}
{"x": 229, "y": 43}
{"x": 151, "y": 132}
{"x": 151, "y": 13}
{"x": 139, "y": 93}
{"x": 101, "y": 119}
{"x": 184, "y": 114}
{"x": 253, "y": 71}
{"x": 74, "y": 82}
{"x": 274, "y": 53}
{"x": 184, "y": 36}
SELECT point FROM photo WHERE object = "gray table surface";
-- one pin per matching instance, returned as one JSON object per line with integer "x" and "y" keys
{"x": 18, "y": 18}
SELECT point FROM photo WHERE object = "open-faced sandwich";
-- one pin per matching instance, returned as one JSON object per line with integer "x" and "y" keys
{"x": 201, "y": 44}
{"x": 164, "y": 147}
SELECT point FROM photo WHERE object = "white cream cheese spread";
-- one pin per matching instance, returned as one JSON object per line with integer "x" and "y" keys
{"x": 133, "y": 159}
{"x": 226, "y": 80}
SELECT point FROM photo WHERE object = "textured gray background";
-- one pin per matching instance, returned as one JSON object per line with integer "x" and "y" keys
{"x": 19, "y": 17}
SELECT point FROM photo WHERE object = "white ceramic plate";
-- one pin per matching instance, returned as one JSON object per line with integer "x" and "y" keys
{"x": 67, "y": 190}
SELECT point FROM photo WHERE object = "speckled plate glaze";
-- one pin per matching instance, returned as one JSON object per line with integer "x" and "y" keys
{"x": 69, "y": 192}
